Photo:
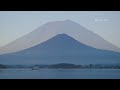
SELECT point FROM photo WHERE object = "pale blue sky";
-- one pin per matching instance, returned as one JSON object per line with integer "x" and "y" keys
{"x": 15, "y": 24}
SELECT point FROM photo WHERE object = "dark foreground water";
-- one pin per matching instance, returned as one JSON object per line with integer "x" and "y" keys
{"x": 60, "y": 74}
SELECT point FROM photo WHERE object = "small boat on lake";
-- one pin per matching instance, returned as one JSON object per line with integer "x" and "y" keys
{"x": 35, "y": 67}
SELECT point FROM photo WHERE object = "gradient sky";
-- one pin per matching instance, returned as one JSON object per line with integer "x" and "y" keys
{"x": 15, "y": 24}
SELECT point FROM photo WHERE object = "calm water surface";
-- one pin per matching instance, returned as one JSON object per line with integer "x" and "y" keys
{"x": 60, "y": 74}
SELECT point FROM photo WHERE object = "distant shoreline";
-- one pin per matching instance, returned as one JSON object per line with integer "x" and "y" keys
{"x": 62, "y": 66}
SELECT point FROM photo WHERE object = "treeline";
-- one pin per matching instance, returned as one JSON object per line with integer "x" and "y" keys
{"x": 63, "y": 66}
{"x": 2, "y": 66}
{"x": 70, "y": 66}
{"x": 100, "y": 66}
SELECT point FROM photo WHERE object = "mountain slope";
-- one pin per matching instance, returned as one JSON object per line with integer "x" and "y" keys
{"x": 61, "y": 49}
{"x": 51, "y": 29}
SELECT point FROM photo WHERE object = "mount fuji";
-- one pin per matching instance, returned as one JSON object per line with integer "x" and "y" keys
{"x": 51, "y": 29}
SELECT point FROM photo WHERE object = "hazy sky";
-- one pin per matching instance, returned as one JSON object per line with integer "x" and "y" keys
{"x": 15, "y": 24}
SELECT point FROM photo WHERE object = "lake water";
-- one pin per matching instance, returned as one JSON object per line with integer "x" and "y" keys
{"x": 60, "y": 74}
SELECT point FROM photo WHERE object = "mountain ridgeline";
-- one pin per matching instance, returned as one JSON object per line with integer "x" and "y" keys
{"x": 61, "y": 49}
